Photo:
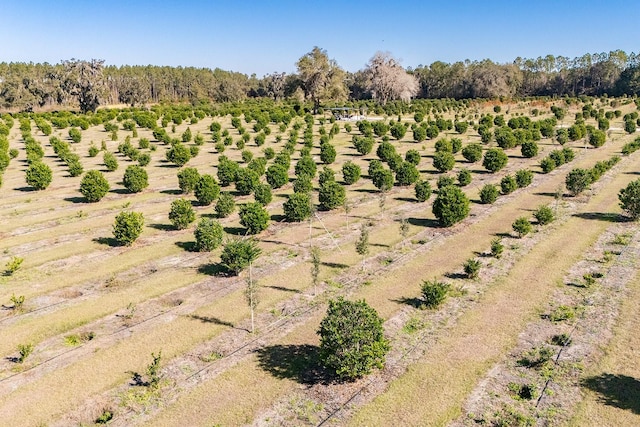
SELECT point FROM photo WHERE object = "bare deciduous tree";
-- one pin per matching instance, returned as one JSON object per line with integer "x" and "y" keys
{"x": 387, "y": 80}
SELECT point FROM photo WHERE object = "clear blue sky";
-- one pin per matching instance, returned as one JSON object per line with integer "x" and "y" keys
{"x": 266, "y": 36}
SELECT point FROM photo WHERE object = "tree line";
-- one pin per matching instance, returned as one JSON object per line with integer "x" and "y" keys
{"x": 87, "y": 84}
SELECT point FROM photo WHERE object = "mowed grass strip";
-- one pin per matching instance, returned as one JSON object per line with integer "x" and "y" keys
{"x": 433, "y": 390}
{"x": 611, "y": 388}
{"x": 382, "y": 294}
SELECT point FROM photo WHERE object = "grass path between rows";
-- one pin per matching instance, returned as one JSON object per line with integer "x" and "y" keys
{"x": 212, "y": 396}
{"x": 611, "y": 388}
{"x": 433, "y": 390}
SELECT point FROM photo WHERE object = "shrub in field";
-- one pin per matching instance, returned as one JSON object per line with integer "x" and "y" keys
{"x": 302, "y": 184}
{"x": 629, "y": 198}
{"x": 351, "y": 172}
{"x": 75, "y": 135}
{"x": 331, "y": 195}
{"x": 464, "y": 177}
{"x": 206, "y": 190}
{"x": 94, "y": 186}
{"x": 238, "y": 254}
{"x": 406, "y": 174}
{"x": 297, "y": 207}
{"x": 472, "y": 268}
{"x": 578, "y": 180}
{"x": 208, "y": 234}
{"x": 306, "y": 166}
{"x": 494, "y": 159}
{"x": 135, "y": 178}
{"x": 489, "y": 194}
{"x": 327, "y": 153}
{"x": 451, "y": 206}
{"x": 13, "y": 265}
{"x": 181, "y": 213}
{"x": 444, "y": 161}
{"x": 521, "y": 226}
{"x": 246, "y": 181}
{"x": 277, "y": 175}
{"x": 352, "y": 340}
{"x": 385, "y": 151}
{"x": 24, "y": 350}
{"x": 326, "y": 174}
{"x": 188, "y": 179}
{"x": 544, "y": 215}
{"x": 461, "y": 127}
{"x": 128, "y": 227}
{"x": 597, "y": 138}
{"x": 497, "y": 248}
{"x": 443, "y": 145}
{"x": 423, "y": 191}
{"x": 444, "y": 181}
{"x": 110, "y": 161}
{"x": 508, "y": 184}
{"x": 227, "y": 171}
{"x": 472, "y": 152}
{"x": 529, "y": 149}
{"x": 254, "y": 217}
{"x": 179, "y": 154}
{"x": 524, "y": 178}
{"x": 144, "y": 159}
{"x": 413, "y": 157}
{"x": 225, "y": 205}
{"x": 262, "y": 194}
{"x": 363, "y": 144}
{"x": 434, "y": 293}
{"x": 547, "y": 164}
{"x": 39, "y": 175}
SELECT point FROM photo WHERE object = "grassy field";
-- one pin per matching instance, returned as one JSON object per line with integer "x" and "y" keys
{"x": 157, "y": 295}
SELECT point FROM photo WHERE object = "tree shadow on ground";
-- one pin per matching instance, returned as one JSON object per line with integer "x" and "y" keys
{"x": 334, "y": 265}
{"x": 75, "y": 199}
{"x": 406, "y": 199}
{"x": 366, "y": 190}
{"x": 25, "y": 189}
{"x": 278, "y": 218}
{"x": 300, "y": 363}
{"x": 109, "y": 241}
{"x": 211, "y": 319}
{"x": 174, "y": 192}
{"x": 455, "y": 276}
{"x": 162, "y": 227}
{"x": 412, "y": 302}
{"x": 218, "y": 270}
{"x": 632, "y": 173}
{"x": 187, "y": 246}
{"x": 424, "y": 222}
{"x": 503, "y": 235}
{"x": 282, "y": 288}
{"x": 235, "y": 231}
{"x": 545, "y": 194}
{"x": 620, "y": 391}
{"x": 602, "y": 216}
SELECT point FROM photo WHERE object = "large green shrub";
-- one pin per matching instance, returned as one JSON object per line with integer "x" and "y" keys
{"x": 578, "y": 180}
{"x": 450, "y": 206}
{"x": 181, "y": 213}
{"x": 225, "y": 205}
{"x": 128, "y": 227}
{"x": 352, "y": 339}
{"x": 406, "y": 174}
{"x": 277, "y": 175}
{"x": 94, "y": 186}
{"x": 208, "y": 234}
{"x": 254, "y": 217}
{"x": 444, "y": 161}
{"x": 472, "y": 152}
{"x": 521, "y": 226}
{"x": 350, "y": 172}
{"x": 423, "y": 191}
{"x": 297, "y": 207}
{"x": 135, "y": 178}
{"x": 206, "y": 190}
{"x": 630, "y": 199}
{"x": 494, "y": 159}
{"x": 39, "y": 175}
{"x": 188, "y": 179}
{"x": 489, "y": 194}
{"x": 331, "y": 195}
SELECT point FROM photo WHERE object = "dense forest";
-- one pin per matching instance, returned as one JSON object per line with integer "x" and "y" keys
{"x": 87, "y": 84}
